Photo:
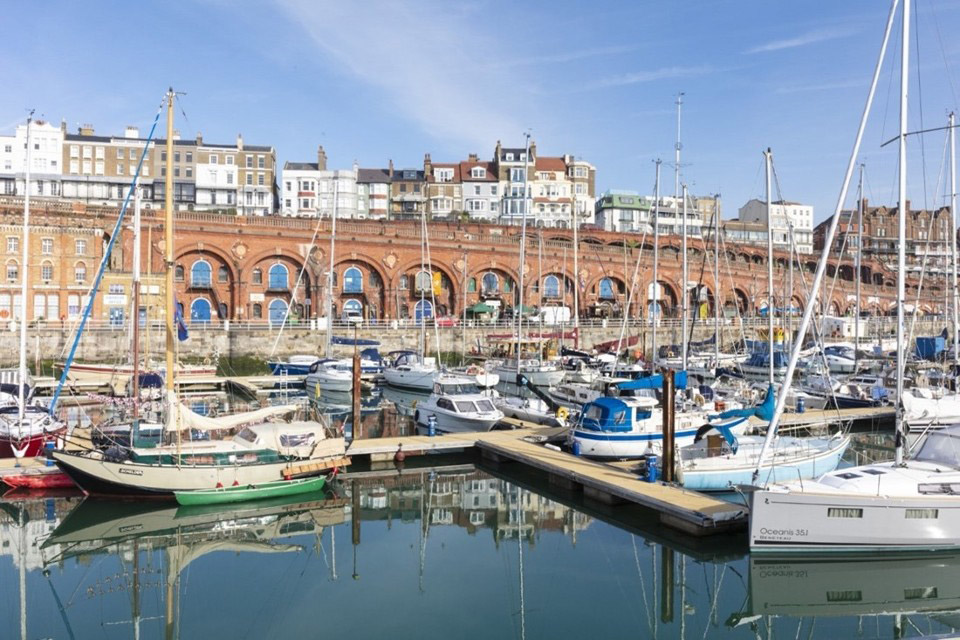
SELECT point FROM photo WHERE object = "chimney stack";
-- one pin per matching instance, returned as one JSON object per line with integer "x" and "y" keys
{"x": 199, "y": 138}
{"x": 427, "y": 166}
{"x": 390, "y": 169}
{"x": 131, "y": 132}
{"x": 63, "y": 125}
{"x": 473, "y": 158}
{"x": 86, "y": 130}
{"x": 240, "y": 141}
{"x": 321, "y": 158}
{"x": 533, "y": 151}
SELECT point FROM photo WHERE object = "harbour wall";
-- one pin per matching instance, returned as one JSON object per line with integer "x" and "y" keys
{"x": 233, "y": 340}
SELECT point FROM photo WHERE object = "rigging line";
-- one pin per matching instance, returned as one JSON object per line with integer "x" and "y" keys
{"x": 923, "y": 148}
{"x": 886, "y": 107}
{"x": 296, "y": 286}
{"x": 943, "y": 53}
{"x": 629, "y": 301}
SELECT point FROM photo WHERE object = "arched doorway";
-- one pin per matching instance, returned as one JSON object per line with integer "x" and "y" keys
{"x": 423, "y": 310}
{"x": 353, "y": 308}
{"x": 200, "y": 310}
{"x": 277, "y": 310}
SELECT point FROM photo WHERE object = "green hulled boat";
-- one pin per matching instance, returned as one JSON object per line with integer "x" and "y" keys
{"x": 244, "y": 493}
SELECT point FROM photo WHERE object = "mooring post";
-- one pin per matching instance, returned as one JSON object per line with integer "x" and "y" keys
{"x": 668, "y": 425}
{"x": 356, "y": 396}
{"x": 666, "y": 580}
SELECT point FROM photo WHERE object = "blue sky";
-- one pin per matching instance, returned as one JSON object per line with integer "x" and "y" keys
{"x": 381, "y": 79}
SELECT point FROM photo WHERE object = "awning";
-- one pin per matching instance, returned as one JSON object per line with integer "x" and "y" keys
{"x": 481, "y": 307}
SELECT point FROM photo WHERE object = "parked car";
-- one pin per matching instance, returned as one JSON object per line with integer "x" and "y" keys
{"x": 447, "y": 321}
{"x": 352, "y": 316}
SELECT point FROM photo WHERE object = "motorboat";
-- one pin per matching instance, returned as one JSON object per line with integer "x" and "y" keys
{"x": 409, "y": 371}
{"x": 296, "y": 365}
{"x": 757, "y": 366}
{"x": 329, "y": 374}
{"x": 457, "y": 405}
{"x": 540, "y": 373}
{"x": 840, "y": 358}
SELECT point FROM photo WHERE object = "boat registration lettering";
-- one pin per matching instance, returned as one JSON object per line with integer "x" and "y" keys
{"x": 131, "y": 472}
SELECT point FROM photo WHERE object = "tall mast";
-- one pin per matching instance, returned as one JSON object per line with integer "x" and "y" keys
{"x": 820, "y": 272}
{"x": 953, "y": 241}
{"x": 656, "y": 259}
{"x": 168, "y": 248}
{"x": 766, "y": 157}
{"x": 576, "y": 273}
{"x": 135, "y": 294}
{"x": 902, "y": 222}
{"x": 677, "y": 147}
{"x": 686, "y": 297}
{"x": 856, "y": 323}
{"x": 716, "y": 281}
{"x": 23, "y": 284}
{"x": 333, "y": 245}
{"x": 523, "y": 247}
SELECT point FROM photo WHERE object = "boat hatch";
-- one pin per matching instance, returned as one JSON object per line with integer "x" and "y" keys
{"x": 874, "y": 472}
{"x": 847, "y": 476}
{"x": 939, "y": 487}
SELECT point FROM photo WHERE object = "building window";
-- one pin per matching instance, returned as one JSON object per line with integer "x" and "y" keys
{"x": 176, "y": 156}
{"x": 13, "y": 271}
{"x": 100, "y": 153}
{"x": 250, "y": 179}
{"x": 223, "y": 275}
{"x": 551, "y": 287}
{"x": 200, "y": 274}
{"x": 46, "y": 271}
{"x": 516, "y": 175}
{"x": 119, "y": 168}
{"x": 178, "y": 273}
{"x": 80, "y": 273}
{"x": 260, "y": 162}
{"x": 353, "y": 280}
{"x": 257, "y": 311}
{"x": 491, "y": 283}
{"x": 189, "y": 156}
{"x": 133, "y": 154}
{"x": 229, "y": 178}
{"x": 99, "y": 170}
{"x": 249, "y": 162}
{"x": 278, "y": 277}
{"x": 260, "y": 179}
{"x": 471, "y": 285}
{"x": 81, "y": 247}
{"x": 189, "y": 172}
{"x": 13, "y": 244}
{"x": 606, "y": 289}
{"x": 46, "y": 246}
{"x": 257, "y": 276}
{"x": 404, "y": 283}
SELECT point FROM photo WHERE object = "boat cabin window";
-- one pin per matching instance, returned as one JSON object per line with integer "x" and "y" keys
{"x": 593, "y": 412}
{"x": 485, "y": 405}
{"x": 296, "y": 439}
{"x": 643, "y": 414}
{"x": 465, "y": 406}
{"x": 619, "y": 417}
{"x": 248, "y": 434}
{"x": 443, "y": 403}
{"x": 940, "y": 448}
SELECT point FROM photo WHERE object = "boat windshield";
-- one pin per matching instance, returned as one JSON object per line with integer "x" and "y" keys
{"x": 452, "y": 388}
{"x": 465, "y": 406}
{"x": 485, "y": 405}
{"x": 248, "y": 435}
{"x": 941, "y": 447}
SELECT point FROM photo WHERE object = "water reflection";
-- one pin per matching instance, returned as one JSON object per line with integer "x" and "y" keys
{"x": 439, "y": 552}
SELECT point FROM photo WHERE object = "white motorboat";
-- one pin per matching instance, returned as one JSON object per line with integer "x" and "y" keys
{"x": 410, "y": 371}
{"x": 329, "y": 375}
{"x": 924, "y": 408}
{"x": 457, "y": 405}
{"x": 840, "y": 358}
{"x": 540, "y": 373}
{"x": 533, "y": 410}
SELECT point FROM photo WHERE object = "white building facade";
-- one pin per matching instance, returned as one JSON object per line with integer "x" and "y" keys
{"x": 784, "y": 217}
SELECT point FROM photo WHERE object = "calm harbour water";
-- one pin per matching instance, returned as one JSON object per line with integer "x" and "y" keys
{"x": 458, "y": 552}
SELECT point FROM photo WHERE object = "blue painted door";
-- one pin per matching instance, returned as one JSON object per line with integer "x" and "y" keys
{"x": 200, "y": 310}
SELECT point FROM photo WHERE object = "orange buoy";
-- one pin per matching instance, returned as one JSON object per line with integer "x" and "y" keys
{"x": 399, "y": 456}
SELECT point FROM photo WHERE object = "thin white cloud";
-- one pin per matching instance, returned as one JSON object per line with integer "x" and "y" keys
{"x": 810, "y": 37}
{"x": 571, "y": 56}
{"x": 824, "y": 86}
{"x": 427, "y": 58}
{"x": 638, "y": 77}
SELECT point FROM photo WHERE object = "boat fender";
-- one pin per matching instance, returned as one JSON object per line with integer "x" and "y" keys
{"x": 235, "y": 484}
{"x": 219, "y": 485}
{"x": 416, "y": 416}
{"x": 399, "y": 456}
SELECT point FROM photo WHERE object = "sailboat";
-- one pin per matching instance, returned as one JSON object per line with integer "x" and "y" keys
{"x": 910, "y": 503}
{"x": 25, "y": 426}
{"x": 260, "y": 452}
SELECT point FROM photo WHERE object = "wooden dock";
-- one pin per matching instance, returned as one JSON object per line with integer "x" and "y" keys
{"x": 812, "y": 418}
{"x": 689, "y": 511}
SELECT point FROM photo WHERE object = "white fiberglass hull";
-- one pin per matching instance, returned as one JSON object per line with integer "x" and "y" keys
{"x": 639, "y": 441}
{"x": 415, "y": 378}
{"x": 457, "y": 423}
{"x": 328, "y": 381}
{"x": 921, "y": 412}
{"x": 545, "y": 377}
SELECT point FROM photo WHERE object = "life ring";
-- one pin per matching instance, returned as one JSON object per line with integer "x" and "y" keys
{"x": 563, "y": 413}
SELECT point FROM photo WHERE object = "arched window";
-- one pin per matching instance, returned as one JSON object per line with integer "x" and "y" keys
{"x": 404, "y": 283}
{"x": 491, "y": 283}
{"x": 472, "y": 285}
{"x": 200, "y": 310}
{"x": 424, "y": 281}
{"x": 257, "y": 276}
{"x": 46, "y": 270}
{"x": 178, "y": 272}
{"x": 278, "y": 310}
{"x": 257, "y": 311}
{"x": 223, "y": 275}
{"x": 200, "y": 274}
{"x": 278, "y": 279}
{"x": 80, "y": 272}
{"x": 551, "y": 286}
{"x": 222, "y": 311}
{"x": 606, "y": 289}
{"x": 423, "y": 310}
{"x": 353, "y": 280}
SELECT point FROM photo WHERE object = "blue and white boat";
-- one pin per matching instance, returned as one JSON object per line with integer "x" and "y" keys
{"x": 298, "y": 365}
